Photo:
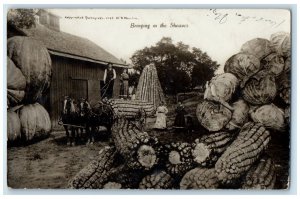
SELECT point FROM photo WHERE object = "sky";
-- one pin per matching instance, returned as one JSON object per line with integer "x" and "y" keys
{"x": 219, "y": 32}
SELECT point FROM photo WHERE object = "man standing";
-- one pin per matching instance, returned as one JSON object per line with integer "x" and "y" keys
{"x": 109, "y": 78}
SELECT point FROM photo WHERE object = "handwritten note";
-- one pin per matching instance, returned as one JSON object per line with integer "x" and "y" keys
{"x": 222, "y": 17}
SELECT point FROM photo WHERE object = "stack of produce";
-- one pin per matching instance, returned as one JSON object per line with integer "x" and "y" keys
{"x": 149, "y": 88}
{"x": 253, "y": 99}
{"x": 149, "y": 95}
{"x": 241, "y": 110}
{"x": 28, "y": 77}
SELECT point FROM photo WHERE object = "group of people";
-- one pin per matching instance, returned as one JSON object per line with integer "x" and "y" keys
{"x": 180, "y": 119}
{"x": 109, "y": 79}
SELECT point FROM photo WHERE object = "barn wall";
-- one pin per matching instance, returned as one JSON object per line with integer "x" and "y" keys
{"x": 75, "y": 78}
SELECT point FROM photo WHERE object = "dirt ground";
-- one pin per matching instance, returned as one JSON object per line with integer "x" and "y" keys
{"x": 50, "y": 163}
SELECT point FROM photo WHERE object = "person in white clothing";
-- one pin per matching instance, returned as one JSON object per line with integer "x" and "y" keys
{"x": 161, "y": 118}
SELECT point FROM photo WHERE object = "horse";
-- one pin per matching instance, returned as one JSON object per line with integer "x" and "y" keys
{"x": 99, "y": 115}
{"x": 70, "y": 119}
{"x": 84, "y": 108}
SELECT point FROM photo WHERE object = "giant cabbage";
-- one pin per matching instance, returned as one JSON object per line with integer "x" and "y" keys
{"x": 273, "y": 64}
{"x": 213, "y": 116}
{"x": 270, "y": 116}
{"x": 221, "y": 87}
{"x": 243, "y": 66}
{"x": 260, "y": 89}
{"x": 239, "y": 115}
{"x": 258, "y": 47}
{"x": 281, "y": 43}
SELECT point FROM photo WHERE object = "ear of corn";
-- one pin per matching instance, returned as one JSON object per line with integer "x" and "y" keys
{"x": 126, "y": 178}
{"x": 209, "y": 148}
{"x": 131, "y": 108}
{"x": 250, "y": 143}
{"x": 149, "y": 88}
{"x": 157, "y": 180}
{"x": 136, "y": 146}
{"x": 200, "y": 178}
{"x": 261, "y": 175}
{"x": 95, "y": 175}
{"x": 179, "y": 158}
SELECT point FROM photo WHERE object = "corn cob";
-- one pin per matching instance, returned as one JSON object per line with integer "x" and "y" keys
{"x": 157, "y": 180}
{"x": 200, "y": 178}
{"x": 179, "y": 158}
{"x": 126, "y": 178}
{"x": 131, "y": 108}
{"x": 209, "y": 148}
{"x": 213, "y": 116}
{"x": 149, "y": 88}
{"x": 261, "y": 175}
{"x": 136, "y": 146}
{"x": 95, "y": 175}
{"x": 250, "y": 143}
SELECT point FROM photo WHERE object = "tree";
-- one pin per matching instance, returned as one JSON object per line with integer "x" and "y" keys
{"x": 179, "y": 67}
{"x": 21, "y": 18}
{"x": 203, "y": 68}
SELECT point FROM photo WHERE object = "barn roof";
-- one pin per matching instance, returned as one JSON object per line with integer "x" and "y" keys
{"x": 68, "y": 45}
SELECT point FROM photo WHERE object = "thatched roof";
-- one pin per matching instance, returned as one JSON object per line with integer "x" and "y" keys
{"x": 65, "y": 44}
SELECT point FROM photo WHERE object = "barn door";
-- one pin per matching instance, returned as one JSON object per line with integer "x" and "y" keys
{"x": 94, "y": 91}
{"x": 79, "y": 88}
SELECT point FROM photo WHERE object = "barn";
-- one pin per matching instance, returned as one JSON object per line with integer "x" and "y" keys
{"x": 78, "y": 65}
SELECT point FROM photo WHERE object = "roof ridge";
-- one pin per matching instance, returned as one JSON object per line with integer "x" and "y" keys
{"x": 71, "y": 44}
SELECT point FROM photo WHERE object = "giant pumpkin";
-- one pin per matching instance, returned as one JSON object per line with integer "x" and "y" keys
{"x": 13, "y": 126}
{"x": 35, "y": 121}
{"x": 33, "y": 59}
{"x": 16, "y": 83}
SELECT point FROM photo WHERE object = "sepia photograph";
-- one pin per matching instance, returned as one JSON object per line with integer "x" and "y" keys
{"x": 163, "y": 99}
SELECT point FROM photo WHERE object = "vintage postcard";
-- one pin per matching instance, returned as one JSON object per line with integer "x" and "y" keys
{"x": 148, "y": 98}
